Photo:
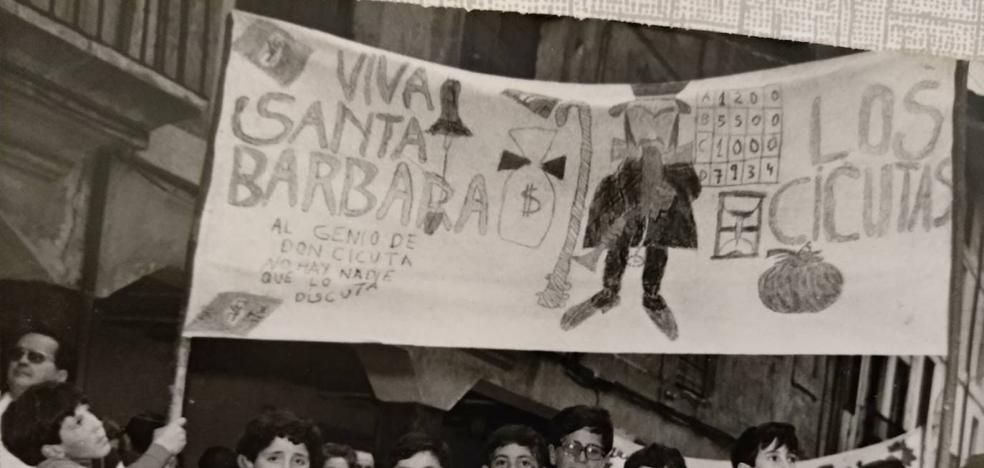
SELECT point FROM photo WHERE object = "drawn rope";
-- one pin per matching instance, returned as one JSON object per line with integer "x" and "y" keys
{"x": 556, "y": 293}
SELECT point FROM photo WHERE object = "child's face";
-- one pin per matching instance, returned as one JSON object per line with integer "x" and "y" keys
{"x": 82, "y": 436}
{"x": 424, "y": 459}
{"x": 513, "y": 456}
{"x": 337, "y": 462}
{"x": 580, "y": 449}
{"x": 775, "y": 457}
{"x": 364, "y": 460}
{"x": 282, "y": 453}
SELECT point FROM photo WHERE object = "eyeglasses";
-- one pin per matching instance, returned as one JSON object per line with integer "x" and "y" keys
{"x": 591, "y": 451}
{"x": 34, "y": 357}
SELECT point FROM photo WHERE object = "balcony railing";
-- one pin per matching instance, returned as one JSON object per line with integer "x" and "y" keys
{"x": 173, "y": 37}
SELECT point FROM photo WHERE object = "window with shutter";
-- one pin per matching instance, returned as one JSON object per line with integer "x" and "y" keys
{"x": 695, "y": 375}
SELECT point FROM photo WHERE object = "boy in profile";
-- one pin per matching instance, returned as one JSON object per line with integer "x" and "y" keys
{"x": 279, "y": 439}
{"x": 50, "y": 425}
{"x": 769, "y": 445}
{"x": 516, "y": 446}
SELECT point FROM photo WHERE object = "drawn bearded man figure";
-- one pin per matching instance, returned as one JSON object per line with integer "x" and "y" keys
{"x": 647, "y": 202}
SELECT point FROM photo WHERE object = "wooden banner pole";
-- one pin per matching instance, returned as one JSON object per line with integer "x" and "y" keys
{"x": 180, "y": 379}
{"x": 959, "y": 168}
{"x": 183, "y": 348}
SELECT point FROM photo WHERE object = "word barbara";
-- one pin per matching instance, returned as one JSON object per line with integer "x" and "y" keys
{"x": 255, "y": 181}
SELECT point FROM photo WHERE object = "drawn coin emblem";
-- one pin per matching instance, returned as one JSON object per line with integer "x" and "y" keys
{"x": 273, "y": 51}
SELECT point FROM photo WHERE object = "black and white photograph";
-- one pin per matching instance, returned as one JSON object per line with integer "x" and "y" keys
{"x": 370, "y": 234}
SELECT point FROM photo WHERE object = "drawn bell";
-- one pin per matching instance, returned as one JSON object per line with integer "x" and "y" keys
{"x": 450, "y": 125}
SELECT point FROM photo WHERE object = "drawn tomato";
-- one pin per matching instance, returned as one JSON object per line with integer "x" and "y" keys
{"x": 800, "y": 281}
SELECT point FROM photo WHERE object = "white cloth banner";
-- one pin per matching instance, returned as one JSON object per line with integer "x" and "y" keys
{"x": 357, "y": 195}
{"x": 904, "y": 451}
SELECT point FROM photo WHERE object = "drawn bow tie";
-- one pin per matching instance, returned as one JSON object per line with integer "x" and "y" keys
{"x": 512, "y": 161}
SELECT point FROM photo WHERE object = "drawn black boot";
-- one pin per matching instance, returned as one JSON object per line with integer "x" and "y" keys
{"x": 607, "y": 298}
{"x": 602, "y": 301}
{"x": 661, "y": 315}
{"x": 652, "y": 301}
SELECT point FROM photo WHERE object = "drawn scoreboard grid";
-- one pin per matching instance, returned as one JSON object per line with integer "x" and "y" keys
{"x": 738, "y": 137}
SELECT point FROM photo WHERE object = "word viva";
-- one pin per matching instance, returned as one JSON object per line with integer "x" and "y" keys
{"x": 392, "y": 128}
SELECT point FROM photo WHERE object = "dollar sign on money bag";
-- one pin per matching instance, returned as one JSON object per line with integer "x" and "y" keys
{"x": 527, "y": 206}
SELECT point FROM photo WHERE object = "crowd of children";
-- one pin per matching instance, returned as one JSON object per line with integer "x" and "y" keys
{"x": 50, "y": 426}
{"x": 46, "y": 423}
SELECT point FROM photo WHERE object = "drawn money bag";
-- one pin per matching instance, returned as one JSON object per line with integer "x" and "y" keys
{"x": 528, "y": 197}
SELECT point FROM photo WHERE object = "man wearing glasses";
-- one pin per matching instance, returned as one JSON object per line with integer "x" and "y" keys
{"x": 36, "y": 358}
{"x": 581, "y": 437}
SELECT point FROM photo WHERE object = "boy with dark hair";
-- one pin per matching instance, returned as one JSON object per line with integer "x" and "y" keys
{"x": 656, "y": 456}
{"x": 516, "y": 446}
{"x": 50, "y": 425}
{"x": 419, "y": 450}
{"x": 769, "y": 445}
{"x": 581, "y": 437}
{"x": 279, "y": 438}
{"x": 338, "y": 456}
